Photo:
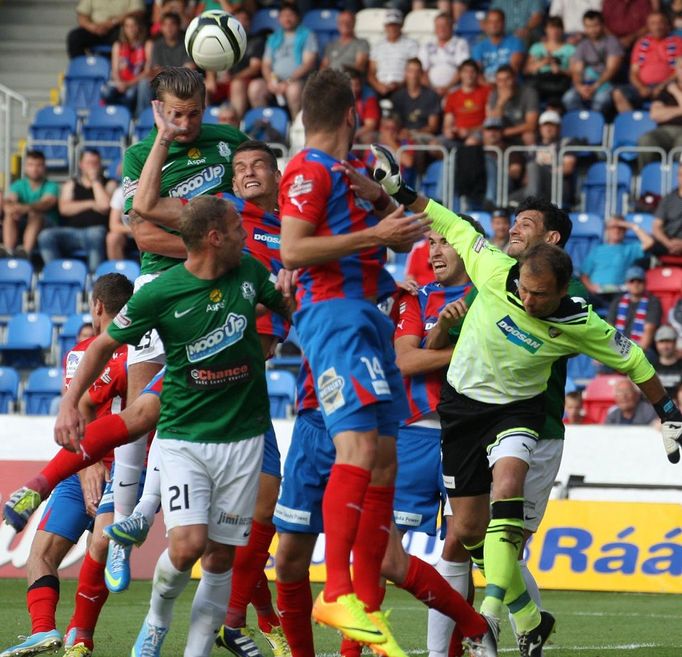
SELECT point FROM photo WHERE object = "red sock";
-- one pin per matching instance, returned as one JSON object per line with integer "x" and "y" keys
{"x": 370, "y": 545}
{"x": 350, "y": 648}
{"x": 425, "y": 583}
{"x": 91, "y": 595}
{"x": 262, "y": 603}
{"x": 295, "y": 604}
{"x": 41, "y": 601}
{"x": 247, "y": 570}
{"x": 456, "y": 649}
{"x": 101, "y": 436}
{"x": 341, "y": 512}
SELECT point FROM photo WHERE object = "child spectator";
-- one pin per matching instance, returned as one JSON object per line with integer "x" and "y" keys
{"x": 573, "y": 408}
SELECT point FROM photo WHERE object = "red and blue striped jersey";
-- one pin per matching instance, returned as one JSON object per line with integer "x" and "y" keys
{"x": 262, "y": 242}
{"x": 306, "y": 397}
{"x": 311, "y": 191}
{"x": 418, "y": 314}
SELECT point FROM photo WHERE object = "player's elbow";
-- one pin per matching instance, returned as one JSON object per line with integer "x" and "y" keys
{"x": 291, "y": 258}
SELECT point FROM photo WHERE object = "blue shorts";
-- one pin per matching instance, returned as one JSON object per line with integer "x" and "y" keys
{"x": 65, "y": 513}
{"x": 272, "y": 461}
{"x": 306, "y": 472}
{"x": 419, "y": 488}
{"x": 349, "y": 344}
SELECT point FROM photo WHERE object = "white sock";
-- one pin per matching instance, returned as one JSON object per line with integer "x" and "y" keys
{"x": 169, "y": 583}
{"x": 129, "y": 460}
{"x": 440, "y": 626}
{"x": 531, "y": 585}
{"x": 151, "y": 494}
{"x": 208, "y": 612}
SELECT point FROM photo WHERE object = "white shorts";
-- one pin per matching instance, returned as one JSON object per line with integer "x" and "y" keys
{"x": 150, "y": 348}
{"x": 540, "y": 481}
{"x": 212, "y": 484}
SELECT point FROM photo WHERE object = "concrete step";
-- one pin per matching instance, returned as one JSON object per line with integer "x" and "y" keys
{"x": 37, "y": 61}
{"x": 34, "y": 79}
{"x": 17, "y": 45}
{"x": 33, "y": 33}
{"x": 28, "y": 12}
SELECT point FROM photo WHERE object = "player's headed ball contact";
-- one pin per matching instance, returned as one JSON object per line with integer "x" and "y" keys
{"x": 215, "y": 40}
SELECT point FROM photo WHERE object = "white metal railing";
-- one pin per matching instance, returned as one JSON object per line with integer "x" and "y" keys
{"x": 7, "y": 97}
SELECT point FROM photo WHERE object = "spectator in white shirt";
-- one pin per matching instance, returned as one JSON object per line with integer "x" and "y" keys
{"x": 442, "y": 57}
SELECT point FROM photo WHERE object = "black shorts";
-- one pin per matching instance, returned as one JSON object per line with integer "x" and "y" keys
{"x": 469, "y": 427}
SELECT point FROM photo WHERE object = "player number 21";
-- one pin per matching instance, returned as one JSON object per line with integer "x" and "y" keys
{"x": 175, "y": 504}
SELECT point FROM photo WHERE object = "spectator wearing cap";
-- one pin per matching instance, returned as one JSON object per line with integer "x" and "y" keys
{"x": 464, "y": 111}
{"x": 541, "y": 165}
{"x": 636, "y": 313}
{"x": 594, "y": 65}
{"x": 516, "y": 105}
{"x": 667, "y": 226}
{"x": 666, "y": 361}
{"x": 604, "y": 269}
{"x": 500, "y": 223}
{"x": 388, "y": 57}
{"x": 497, "y": 49}
{"x": 348, "y": 51}
{"x": 652, "y": 64}
{"x": 630, "y": 408}
{"x": 522, "y": 17}
{"x": 442, "y": 56}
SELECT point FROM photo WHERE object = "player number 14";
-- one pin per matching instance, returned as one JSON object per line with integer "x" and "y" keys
{"x": 374, "y": 368}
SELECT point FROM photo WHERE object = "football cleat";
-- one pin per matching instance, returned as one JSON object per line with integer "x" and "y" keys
{"x": 132, "y": 530}
{"x": 530, "y": 643}
{"x": 20, "y": 506}
{"x": 347, "y": 615}
{"x": 278, "y": 642}
{"x": 117, "y": 569}
{"x": 36, "y": 644}
{"x": 78, "y": 650}
{"x": 486, "y": 644}
{"x": 149, "y": 640}
{"x": 238, "y": 641}
{"x": 390, "y": 647}
{"x": 74, "y": 635}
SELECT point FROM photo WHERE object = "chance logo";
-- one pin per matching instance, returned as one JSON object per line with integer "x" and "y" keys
{"x": 520, "y": 338}
{"x": 200, "y": 183}
{"x": 231, "y": 332}
{"x": 271, "y": 241}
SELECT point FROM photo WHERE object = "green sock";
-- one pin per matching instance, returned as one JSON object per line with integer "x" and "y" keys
{"x": 524, "y": 610}
{"x": 503, "y": 541}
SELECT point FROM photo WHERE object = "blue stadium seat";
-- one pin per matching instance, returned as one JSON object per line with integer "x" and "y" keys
{"x": 597, "y": 185}
{"x": 588, "y": 229}
{"x": 396, "y": 269}
{"x": 651, "y": 179}
{"x": 469, "y": 25}
{"x": 128, "y": 268}
{"x": 265, "y": 19}
{"x": 43, "y": 385}
{"x": 29, "y": 336}
{"x": 628, "y": 127}
{"x": 112, "y": 171}
{"x": 584, "y": 125}
{"x": 61, "y": 286}
{"x": 644, "y": 220}
{"x": 144, "y": 124}
{"x": 323, "y": 23}
{"x": 432, "y": 181}
{"x": 269, "y": 124}
{"x": 54, "y": 131}
{"x": 67, "y": 336}
{"x": 15, "y": 282}
{"x": 9, "y": 388}
{"x": 485, "y": 219}
{"x": 581, "y": 367}
{"x": 83, "y": 82}
{"x": 106, "y": 129}
{"x": 282, "y": 392}
{"x": 211, "y": 114}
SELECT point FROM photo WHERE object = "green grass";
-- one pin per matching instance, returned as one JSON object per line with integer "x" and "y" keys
{"x": 589, "y": 624}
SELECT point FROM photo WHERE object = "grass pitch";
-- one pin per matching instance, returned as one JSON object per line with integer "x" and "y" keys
{"x": 589, "y": 624}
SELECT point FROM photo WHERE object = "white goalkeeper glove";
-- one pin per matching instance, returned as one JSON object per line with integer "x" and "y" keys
{"x": 387, "y": 174}
{"x": 671, "y": 427}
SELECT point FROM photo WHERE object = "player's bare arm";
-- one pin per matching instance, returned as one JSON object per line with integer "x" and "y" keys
{"x": 147, "y": 200}
{"x": 300, "y": 248}
{"x": 413, "y": 359}
{"x": 93, "y": 477}
{"x": 150, "y": 237}
{"x": 70, "y": 425}
{"x": 438, "y": 337}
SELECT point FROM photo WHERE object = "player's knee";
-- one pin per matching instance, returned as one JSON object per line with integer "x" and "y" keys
{"x": 469, "y": 530}
{"x": 217, "y": 557}
{"x": 99, "y": 544}
{"x": 184, "y": 554}
{"x": 453, "y": 550}
{"x": 291, "y": 564}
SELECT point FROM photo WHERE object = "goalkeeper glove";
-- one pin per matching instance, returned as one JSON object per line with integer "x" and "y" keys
{"x": 671, "y": 428}
{"x": 387, "y": 174}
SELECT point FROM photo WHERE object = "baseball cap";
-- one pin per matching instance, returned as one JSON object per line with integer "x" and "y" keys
{"x": 492, "y": 122}
{"x": 550, "y": 116}
{"x": 635, "y": 274}
{"x": 393, "y": 16}
{"x": 500, "y": 212}
{"x": 665, "y": 332}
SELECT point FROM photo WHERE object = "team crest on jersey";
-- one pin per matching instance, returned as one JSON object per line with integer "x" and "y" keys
{"x": 300, "y": 186}
{"x": 122, "y": 320}
{"x": 129, "y": 187}
{"x": 554, "y": 332}
{"x": 248, "y": 290}
{"x": 330, "y": 390}
{"x": 216, "y": 299}
{"x": 224, "y": 150}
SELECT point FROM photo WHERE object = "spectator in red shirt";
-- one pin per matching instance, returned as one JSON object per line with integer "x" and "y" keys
{"x": 465, "y": 107}
{"x": 366, "y": 107}
{"x": 418, "y": 266}
{"x": 652, "y": 64}
{"x": 626, "y": 19}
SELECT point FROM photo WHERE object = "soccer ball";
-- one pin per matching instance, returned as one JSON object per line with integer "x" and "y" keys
{"x": 215, "y": 40}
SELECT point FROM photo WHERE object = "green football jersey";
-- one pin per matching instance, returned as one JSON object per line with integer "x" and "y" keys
{"x": 214, "y": 389}
{"x": 202, "y": 167}
{"x": 505, "y": 355}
